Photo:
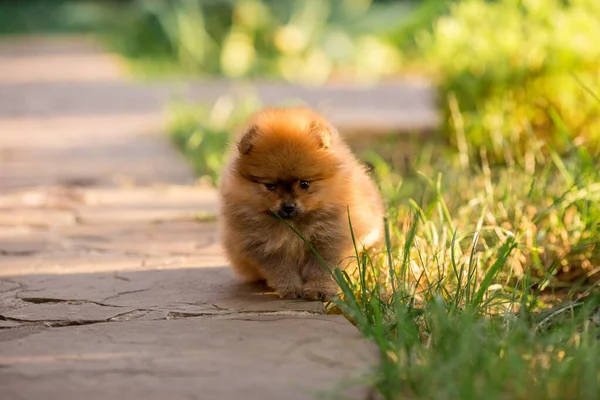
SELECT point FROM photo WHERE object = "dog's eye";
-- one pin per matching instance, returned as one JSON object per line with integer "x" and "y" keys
{"x": 270, "y": 186}
{"x": 304, "y": 185}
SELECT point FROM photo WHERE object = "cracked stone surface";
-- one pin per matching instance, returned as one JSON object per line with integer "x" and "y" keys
{"x": 113, "y": 283}
{"x": 67, "y": 312}
{"x": 201, "y": 358}
{"x": 8, "y": 324}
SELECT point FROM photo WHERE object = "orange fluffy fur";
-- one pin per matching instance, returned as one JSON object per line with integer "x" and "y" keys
{"x": 292, "y": 157}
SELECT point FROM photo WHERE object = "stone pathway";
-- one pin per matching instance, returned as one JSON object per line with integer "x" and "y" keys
{"x": 112, "y": 281}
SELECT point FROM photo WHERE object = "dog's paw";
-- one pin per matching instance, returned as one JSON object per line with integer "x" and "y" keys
{"x": 290, "y": 293}
{"x": 319, "y": 292}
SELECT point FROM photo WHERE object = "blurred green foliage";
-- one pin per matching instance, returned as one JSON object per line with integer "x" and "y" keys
{"x": 512, "y": 74}
{"x": 521, "y": 72}
{"x": 56, "y": 16}
{"x": 203, "y": 134}
{"x": 305, "y": 41}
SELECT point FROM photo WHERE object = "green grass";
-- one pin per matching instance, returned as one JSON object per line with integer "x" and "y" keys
{"x": 487, "y": 285}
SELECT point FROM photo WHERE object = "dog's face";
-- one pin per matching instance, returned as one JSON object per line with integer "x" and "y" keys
{"x": 286, "y": 157}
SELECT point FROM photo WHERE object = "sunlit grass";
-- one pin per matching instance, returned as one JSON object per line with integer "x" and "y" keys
{"x": 487, "y": 283}
{"x": 516, "y": 80}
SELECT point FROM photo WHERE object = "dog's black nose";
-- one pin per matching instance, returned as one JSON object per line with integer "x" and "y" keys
{"x": 287, "y": 210}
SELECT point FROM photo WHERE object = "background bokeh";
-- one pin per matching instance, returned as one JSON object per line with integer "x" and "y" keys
{"x": 518, "y": 70}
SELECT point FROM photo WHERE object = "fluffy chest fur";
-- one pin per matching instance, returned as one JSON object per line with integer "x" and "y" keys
{"x": 264, "y": 237}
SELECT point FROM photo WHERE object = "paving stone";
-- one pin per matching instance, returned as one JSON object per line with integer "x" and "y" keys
{"x": 8, "y": 286}
{"x": 250, "y": 357}
{"x": 144, "y": 315}
{"x": 17, "y": 241}
{"x": 35, "y": 217}
{"x": 397, "y": 106}
{"x": 65, "y": 312}
{"x": 8, "y": 324}
{"x": 185, "y": 237}
{"x": 48, "y": 198}
{"x": 8, "y": 296}
{"x": 67, "y": 58}
{"x": 77, "y": 261}
{"x": 193, "y": 291}
{"x": 138, "y": 151}
{"x": 60, "y": 206}
{"x": 156, "y": 204}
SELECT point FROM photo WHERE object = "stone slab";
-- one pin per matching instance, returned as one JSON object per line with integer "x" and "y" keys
{"x": 8, "y": 298}
{"x": 192, "y": 291}
{"x": 155, "y": 204}
{"x": 162, "y": 238}
{"x": 396, "y": 106}
{"x": 7, "y": 286}
{"x": 65, "y": 312}
{"x": 138, "y": 151}
{"x": 22, "y": 241}
{"x": 85, "y": 261}
{"x": 250, "y": 357}
{"x": 145, "y": 239}
{"x": 8, "y": 324}
{"x": 18, "y": 216}
{"x": 63, "y": 206}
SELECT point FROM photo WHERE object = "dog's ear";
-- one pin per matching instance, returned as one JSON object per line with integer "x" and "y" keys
{"x": 323, "y": 132}
{"x": 370, "y": 168}
{"x": 246, "y": 143}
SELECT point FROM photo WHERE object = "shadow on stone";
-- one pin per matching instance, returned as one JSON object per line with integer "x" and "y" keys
{"x": 172, "y": 333}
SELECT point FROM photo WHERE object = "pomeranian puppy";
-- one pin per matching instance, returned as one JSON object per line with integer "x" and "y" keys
{"x": 293, "y": 163}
